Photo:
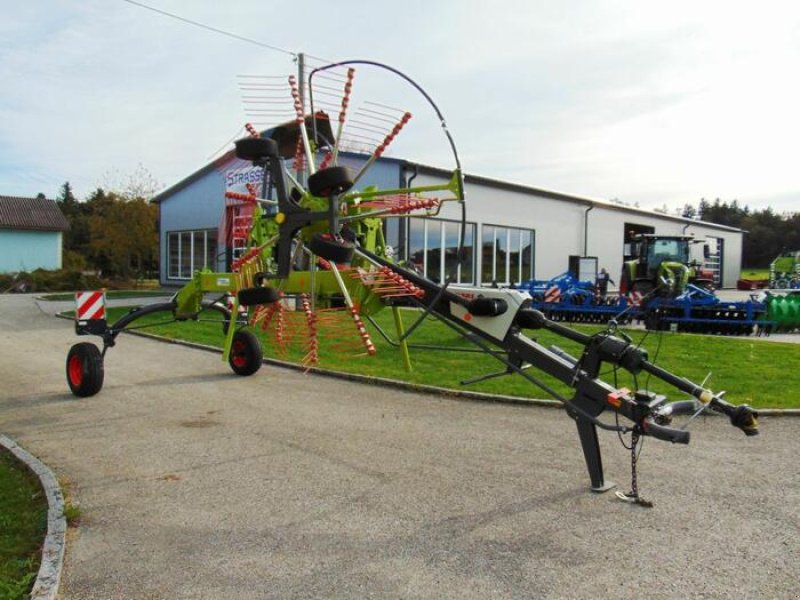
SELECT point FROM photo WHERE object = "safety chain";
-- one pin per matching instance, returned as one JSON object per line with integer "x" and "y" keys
{"x": 633, "y": 496}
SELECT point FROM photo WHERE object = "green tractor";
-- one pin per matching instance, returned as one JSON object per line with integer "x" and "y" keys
{"x": 663, "y": 265}
{"x": 784, "y": 271}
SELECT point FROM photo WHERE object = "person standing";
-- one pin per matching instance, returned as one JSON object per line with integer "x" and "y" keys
{"x": 603, "y": 279}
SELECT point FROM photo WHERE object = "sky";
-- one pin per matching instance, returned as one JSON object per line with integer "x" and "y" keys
{"x": 651, "y": 104}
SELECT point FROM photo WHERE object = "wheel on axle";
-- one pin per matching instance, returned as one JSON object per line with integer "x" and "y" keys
{"x": 331, "y": 249}
{"x": 246, "y": 355}
{"x": 330, "y": 181}
{"x": 85, "y": 369}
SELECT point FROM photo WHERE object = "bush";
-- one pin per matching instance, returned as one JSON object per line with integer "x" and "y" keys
{"x": 73, "y": 261}
{"x": 40, "y": 280}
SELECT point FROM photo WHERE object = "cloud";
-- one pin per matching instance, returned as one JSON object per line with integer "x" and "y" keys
{"x": 650, "y": 103}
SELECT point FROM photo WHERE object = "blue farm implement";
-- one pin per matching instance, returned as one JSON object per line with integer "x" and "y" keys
{"x": 696, "y": 309}
{"x": 565, "y": 298}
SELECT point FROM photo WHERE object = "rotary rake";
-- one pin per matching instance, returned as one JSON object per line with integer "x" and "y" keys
{"x": 315, "y": 259}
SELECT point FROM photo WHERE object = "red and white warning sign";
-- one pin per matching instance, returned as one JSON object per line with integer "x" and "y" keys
{"x": 90, "y": 306}
{"x": 553, "y": 294}
{"x": 635, "y": 298}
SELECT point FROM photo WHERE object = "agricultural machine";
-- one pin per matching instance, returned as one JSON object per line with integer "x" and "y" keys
{"x": 784, "y": 271}
{"x": 316, "y": 262}
{"x": 662, "y": 288}
{"x": 663, "y": 264}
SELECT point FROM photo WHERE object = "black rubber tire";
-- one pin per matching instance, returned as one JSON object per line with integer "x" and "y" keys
{"x": 330, "y": 182}
{"x": 85, "y": 371}
{"x": 256, "y": 149}
{"x": 258, "y": 295}
{"x": 332, "y": 250}
{"x": 246, "y": 355}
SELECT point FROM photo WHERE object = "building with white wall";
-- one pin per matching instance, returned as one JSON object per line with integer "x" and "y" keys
{"x": 564, "y": 225}
{"x": 522, "y": 232}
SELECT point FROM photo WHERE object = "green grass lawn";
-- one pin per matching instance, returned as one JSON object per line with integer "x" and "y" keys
{"x": 752, "y": 371}
{"x": 23, "y": 524}
{"x": 754, "y": 274}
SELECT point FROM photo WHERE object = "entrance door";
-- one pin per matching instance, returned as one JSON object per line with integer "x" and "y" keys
{"x": 629, "y": 251}
{"x": 712, "y": 260}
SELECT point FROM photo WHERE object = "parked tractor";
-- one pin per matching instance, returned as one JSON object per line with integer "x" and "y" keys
{"x": 663, "y": 266}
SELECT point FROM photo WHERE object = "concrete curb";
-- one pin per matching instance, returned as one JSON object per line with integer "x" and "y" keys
{"x": 49, "y": 577}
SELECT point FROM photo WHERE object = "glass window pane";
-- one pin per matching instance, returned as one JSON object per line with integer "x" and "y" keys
{"x": 467, "y": 270}
{"x": 501, "y": 255}
{"x": 416, "y": 244}
{"x": 527, "y": 255}
{"x": 185, "y": 261}
{"x": 514, "y": 262}
{"x": 211, "y": 249}
{"x": 198, "y": 250}
{"x": 487, "y": 254}
{"x": 392, "y": 236}
{"x": 434, "y": 251}
{"x": 173, "y": 255}
{"x": 451, "y": 240}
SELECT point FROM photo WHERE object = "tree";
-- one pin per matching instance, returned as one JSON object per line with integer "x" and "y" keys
{"x": 76, "y": 239}
{"x": 767, "y": 233}
{"x": 723, "y": 213}
{"x": 141, "y": 183}
{"x": 124, "y": 235}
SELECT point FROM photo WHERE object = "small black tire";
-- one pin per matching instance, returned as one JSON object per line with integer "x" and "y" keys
{"x": 85, "y": 371}
{"x": 256, "y": 149}
{"x": 246, "y": 355}
{"x": 330, "y": 182}
{"x": 258, "y": 295}
{"x": 330, "y": 249}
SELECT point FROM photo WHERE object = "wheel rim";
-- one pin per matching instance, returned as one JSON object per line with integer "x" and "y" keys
{"x": 238, "y": 354}
{"x": 75, "y": 370}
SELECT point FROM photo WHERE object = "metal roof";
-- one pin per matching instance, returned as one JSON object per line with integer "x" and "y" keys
{"x": 584, "y": 200}
{"x": 31, "y": 214}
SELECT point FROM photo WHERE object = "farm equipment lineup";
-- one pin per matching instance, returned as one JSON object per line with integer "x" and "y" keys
{"x": 784, "y": 271}
{"x": 665, "y": 290}
{"x": 315, "y": 263}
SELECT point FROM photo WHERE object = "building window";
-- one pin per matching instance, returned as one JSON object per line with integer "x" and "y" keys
{"x": 507, "y": 254}
{"x": 431, "y": 247}
{"x": 190, "y": 251}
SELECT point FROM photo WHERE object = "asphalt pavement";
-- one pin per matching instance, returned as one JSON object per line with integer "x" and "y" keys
{"x": 196, "y": 483}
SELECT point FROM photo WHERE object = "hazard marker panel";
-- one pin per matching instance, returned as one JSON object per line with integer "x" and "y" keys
{"x": 90, "y": 312}
{"x": 553, "y": 294}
